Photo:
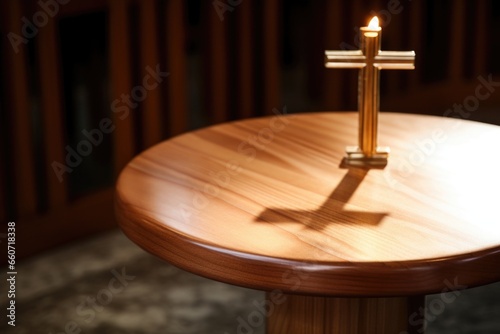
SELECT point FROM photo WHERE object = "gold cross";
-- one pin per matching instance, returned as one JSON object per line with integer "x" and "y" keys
{"x": 370, "y": 60}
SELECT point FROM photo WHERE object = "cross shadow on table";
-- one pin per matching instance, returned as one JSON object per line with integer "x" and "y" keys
{"x": 332, "y": 210}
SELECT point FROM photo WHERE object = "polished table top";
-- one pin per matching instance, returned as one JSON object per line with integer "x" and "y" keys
{"x": 266, "y": 203}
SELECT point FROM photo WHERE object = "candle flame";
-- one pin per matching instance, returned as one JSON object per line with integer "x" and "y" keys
{"x": 373, "y": 23}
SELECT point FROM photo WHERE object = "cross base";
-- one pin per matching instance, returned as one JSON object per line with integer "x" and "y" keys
{"x": 356, "y": 157}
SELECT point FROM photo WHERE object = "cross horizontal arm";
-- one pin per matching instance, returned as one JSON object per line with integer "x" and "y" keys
{"x": 395, "y": 60}
{"x": 345, "y": 59}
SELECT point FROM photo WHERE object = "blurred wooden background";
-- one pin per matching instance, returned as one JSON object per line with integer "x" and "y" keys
{"x": 67, "y": 65}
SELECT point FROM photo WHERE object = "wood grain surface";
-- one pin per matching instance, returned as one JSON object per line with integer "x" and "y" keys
{"x": 267, "y": 203}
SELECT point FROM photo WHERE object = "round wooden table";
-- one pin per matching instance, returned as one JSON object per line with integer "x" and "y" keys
{"x": 268, "y": 204}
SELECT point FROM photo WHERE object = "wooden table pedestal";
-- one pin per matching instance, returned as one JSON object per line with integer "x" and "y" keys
{"x": 297, "y": 314}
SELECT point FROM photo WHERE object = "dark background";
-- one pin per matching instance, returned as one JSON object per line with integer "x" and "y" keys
{"x": 227, "y": 60}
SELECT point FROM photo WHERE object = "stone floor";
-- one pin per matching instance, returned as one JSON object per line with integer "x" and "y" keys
{"x": 108, "y": 285}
